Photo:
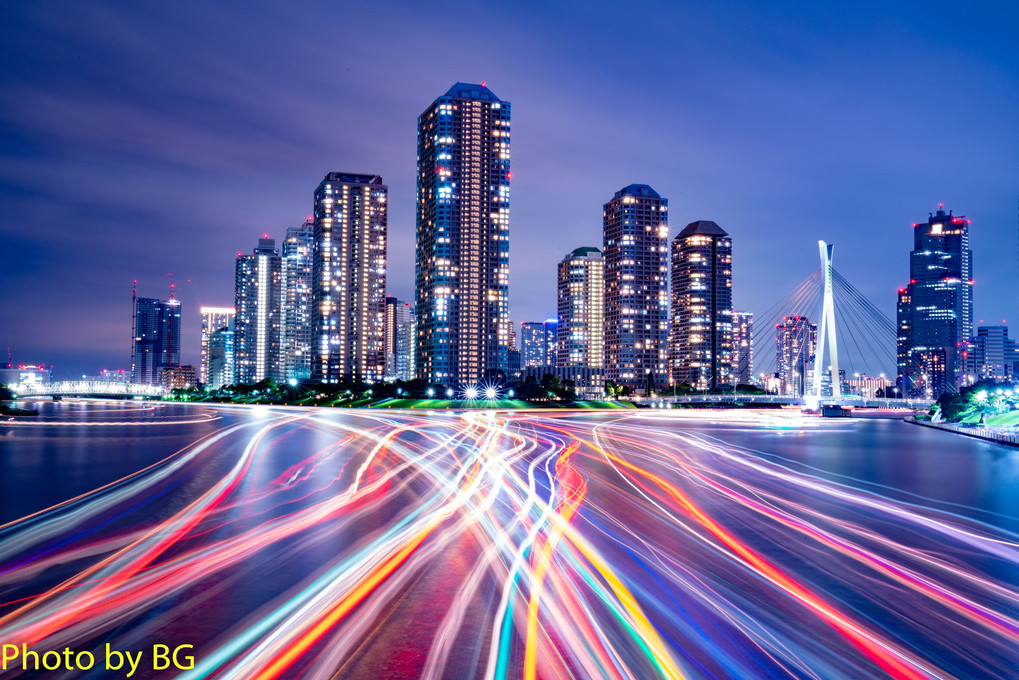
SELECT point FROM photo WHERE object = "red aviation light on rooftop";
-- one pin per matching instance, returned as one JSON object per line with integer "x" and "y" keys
{"x": 265, "y": 235}
{"x": 310, "y": 218}
{"x": 483, "y": 84}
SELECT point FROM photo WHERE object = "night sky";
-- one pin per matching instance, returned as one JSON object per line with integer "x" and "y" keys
{"x": 139, "y": 139}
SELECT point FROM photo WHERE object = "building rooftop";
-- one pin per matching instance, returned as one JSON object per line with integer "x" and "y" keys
{"x": 637, "y": 190}
{"x": 703, "y": 228}
{"x": 352, "y": 178}
{"x": 471, "y": 91}
{"x": 582, "y": 251}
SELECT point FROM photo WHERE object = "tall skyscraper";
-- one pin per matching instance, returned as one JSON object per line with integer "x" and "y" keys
{"x": 700, "y": 347}
{"x": 463, "y": 198}
{"x": 742, "y": 347}
{"x": 156, "y": 338}
{"x": 349, "y": 273}
{"x": 935, "y": 311}
{"x": 258, "y": 319}
{"x": 298, "y": 247}
{"x": 904, "y": 334}
{"x": 400, "y": 333}
{"x": 580, "y": 304}
{"x": 636, "y": 250}
{"x": 213, "y": 319}
{"x": 795, "y": 344}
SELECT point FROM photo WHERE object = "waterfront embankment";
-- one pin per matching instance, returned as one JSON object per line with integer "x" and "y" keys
{"x": 992, "y": 434}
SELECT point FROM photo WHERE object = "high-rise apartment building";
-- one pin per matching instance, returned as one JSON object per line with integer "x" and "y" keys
{"x": 400, "y": 334}
{"x": 700, "y": 343}
{"x": 742, "y": 347}
{"x": 349, "y": 272}
{"x": 156, "y": 339}
{"x": 298, "y": 247}
{"x": 935, "y": 311}
{"x": 636, "y": 252}
{"x": 990, "y": 355}
{"x": 213, "y": 319}
{"x": 795, "y": 344}
{"x": 258, "y": 317}
{"x": 580, "y": 305}
{"x": 463, "y": 199}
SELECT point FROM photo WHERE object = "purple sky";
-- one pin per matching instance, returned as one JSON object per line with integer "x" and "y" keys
{"x": 139, "y": 139}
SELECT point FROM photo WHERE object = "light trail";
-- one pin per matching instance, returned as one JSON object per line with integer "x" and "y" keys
{"x": 314, "y": 543}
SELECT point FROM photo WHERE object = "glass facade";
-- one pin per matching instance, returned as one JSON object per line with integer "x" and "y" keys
{"x": 156, "y": 339}
{"x": 935, "y": 311}
{"x": 221, "y": 358}
{"x": 401, "y": 326}
{"x": 990, "y": 355}
{"x": 214, "y": 319}
{"x": 538, "y": 341}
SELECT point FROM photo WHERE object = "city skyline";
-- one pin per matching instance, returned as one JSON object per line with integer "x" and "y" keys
{"x": 825, "y": 170}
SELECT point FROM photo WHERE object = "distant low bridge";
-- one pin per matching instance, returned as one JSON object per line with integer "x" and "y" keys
{"x": 845, "y": 399}
{"x": 85, "y": 388}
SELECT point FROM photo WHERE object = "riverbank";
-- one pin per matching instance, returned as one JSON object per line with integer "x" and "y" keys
{"x": 990, "y": 434}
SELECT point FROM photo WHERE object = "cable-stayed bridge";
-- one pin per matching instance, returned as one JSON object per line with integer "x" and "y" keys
{"x": 823, "y": 336}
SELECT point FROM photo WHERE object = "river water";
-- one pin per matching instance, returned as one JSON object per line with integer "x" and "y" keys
{"x": 321, "y": 543}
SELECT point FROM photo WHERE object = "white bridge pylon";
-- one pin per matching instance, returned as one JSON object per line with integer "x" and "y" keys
{"x": 827, "y": 330}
